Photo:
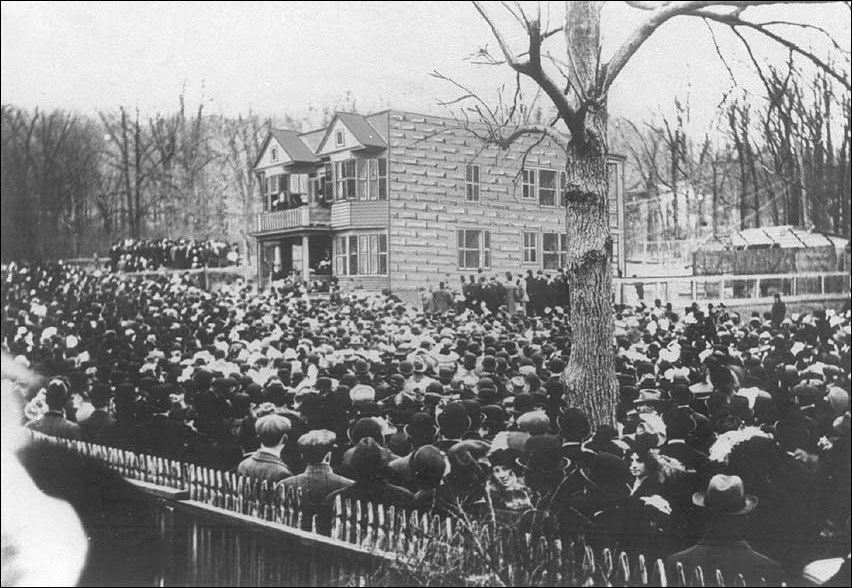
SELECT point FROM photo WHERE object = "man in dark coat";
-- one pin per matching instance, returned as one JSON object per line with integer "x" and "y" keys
{"x": 318, "y": 480}
{"x": 161, "y": 434}
{"x": 266, "y": 462}
{"x": 100, "y": 419}
{"x": 722, "y": 547}
{"x": 53, "y": 422}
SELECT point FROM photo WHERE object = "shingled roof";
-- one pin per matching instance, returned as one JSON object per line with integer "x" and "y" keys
{"x": 294, "y": 147}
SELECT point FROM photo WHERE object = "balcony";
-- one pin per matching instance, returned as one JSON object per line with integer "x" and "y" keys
{"x": 303, "y": 217}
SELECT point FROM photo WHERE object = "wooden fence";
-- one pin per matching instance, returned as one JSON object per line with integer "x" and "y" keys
{"x": 226, "y": 529}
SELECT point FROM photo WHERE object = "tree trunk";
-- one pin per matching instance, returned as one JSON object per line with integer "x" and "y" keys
{"x": 590, "y": 376}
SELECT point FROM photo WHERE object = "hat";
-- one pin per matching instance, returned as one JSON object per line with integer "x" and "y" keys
{"x": 428, "y": 465}
{"x": 363, "y": 428}
{"x": 543, "y": 452}
{"x": 418, "y": 365}
{"x": 524, "y": 402}
{"x": 271, "y": 429}
{"x": 454, "y": 420}
{"x": 648, "y": 396}
{"x": 406, "y": 368}
{"x": 574, "y": 424}
{"x": 421, "y": 427}
{"x": 726, "y": 495}
{"x": 368, "y": 460}
{"x": 361, "y": 367}
{"x": 607, "y": 472}
{"x": 519, "y": 385}
{"x": 535, "y": 422}
{"x": 317, "y": 440}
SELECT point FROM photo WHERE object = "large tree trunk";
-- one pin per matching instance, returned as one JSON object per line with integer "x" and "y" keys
{"x": 590, "y": 376}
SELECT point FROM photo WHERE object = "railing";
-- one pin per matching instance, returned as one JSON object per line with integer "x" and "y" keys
{"x": 301, "y": 217}
{"x": 227, "y": 529}
{"x": 740, "y": 289}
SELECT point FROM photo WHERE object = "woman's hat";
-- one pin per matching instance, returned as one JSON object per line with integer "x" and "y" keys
{"x": 726, "y": 495}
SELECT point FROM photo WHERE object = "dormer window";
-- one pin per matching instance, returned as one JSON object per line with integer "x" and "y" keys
{"x": 339, "y": 139}
{"x": 274, "y": 154}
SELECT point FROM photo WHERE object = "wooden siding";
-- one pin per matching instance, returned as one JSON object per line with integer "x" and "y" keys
{"x": 356, "y": 214}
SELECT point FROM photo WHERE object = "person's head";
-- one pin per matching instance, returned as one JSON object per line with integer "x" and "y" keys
{"x": 272, "y": 430}
{"x": 638, "y": 465}
{"x": 315, "y": 446}
{"x": 57, "y": 395}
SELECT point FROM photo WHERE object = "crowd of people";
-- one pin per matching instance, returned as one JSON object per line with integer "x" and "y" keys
{"x": 136, "y": 255}
{"x": 532, "y": 294}
{"x": 730, "y": 446}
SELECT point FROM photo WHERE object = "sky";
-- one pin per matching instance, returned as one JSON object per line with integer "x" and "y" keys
{"x": 279, "y": 58}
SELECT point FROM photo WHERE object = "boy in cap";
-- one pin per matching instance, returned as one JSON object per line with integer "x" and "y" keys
{"x": 318, "y": 480}
{"x": 266, "y": 463}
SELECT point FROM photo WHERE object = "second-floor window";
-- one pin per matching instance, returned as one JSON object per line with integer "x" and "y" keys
{"x": 344, "y": 179}
{"x": 274, "y": 153}
{"x": 471, "y": 182}
{"x": 474, "y": 248}
{"x": 361, "y": 179}
{"x": 339, "y": 139}
{"x": 541, "y": 185}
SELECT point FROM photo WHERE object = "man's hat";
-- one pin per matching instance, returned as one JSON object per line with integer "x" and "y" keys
{"x": 406, "y": 368}
{"x": 454, "y": 420}
{"x": 421, "y": 427}
{"x": 428, "y": 465}
{"x": 608, "y": 472}
{"x": 543, "y": 452}
{"x": 726, "y": 495}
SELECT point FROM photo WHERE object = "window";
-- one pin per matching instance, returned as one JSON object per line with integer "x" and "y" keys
{"x": 339, "y": 139}
{"x": 344, "y": 178}
{"x": 529, "y": 183}
{"x": 471, "y": 182}
{"x": 530, "y": 248}
{"x": 547, "y": 187}
{"x": 474, "y": 249}
{"x": 541, "y": 185}
{"x": 362, "y": 179}
{"x": 274, "y": 154}
{"x": 554, "y": 250}
{"x": 365, "y": 255}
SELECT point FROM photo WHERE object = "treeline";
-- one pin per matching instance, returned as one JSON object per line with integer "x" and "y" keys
{"x": 72, "y": 184}
{"x": 777, "y": 159}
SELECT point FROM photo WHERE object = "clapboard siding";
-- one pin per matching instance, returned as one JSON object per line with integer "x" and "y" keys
{"x": 359, "y": 215}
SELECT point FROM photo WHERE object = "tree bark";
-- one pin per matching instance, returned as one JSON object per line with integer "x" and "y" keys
{"x": 590, "y": 377}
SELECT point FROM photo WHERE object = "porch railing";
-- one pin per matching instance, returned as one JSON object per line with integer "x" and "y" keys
{"x": 294, "y": 218}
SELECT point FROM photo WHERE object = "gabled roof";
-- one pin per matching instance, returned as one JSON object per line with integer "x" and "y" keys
{"x": 360, "y": 128}
{"x": 292, "y": 145}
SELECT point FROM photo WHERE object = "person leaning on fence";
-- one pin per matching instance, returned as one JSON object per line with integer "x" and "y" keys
{"x": 53, "y": 422}
{"x": 266, "y": 462}
{"x": 318, "y": 480}
{"x": 721, "y": 547}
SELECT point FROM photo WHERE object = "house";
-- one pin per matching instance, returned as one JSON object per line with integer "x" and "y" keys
{"x": 396, "y": 200}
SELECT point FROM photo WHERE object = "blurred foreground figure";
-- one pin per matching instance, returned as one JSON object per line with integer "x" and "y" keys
{"x": 67, "y": 520}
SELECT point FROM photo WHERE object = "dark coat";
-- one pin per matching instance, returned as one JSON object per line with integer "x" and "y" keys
{"x": 56, "y": 425}
{"x": 161, "y": 435}
{"x": 265, "y": 466}
{"x": 97, "y": 422}
{"x": 316, "y": 483}
{"x": 729, "y": 556}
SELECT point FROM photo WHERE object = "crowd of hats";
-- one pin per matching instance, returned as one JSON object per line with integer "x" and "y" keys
{"x": 142, "y": 254}
{"x": 725, "y": 415}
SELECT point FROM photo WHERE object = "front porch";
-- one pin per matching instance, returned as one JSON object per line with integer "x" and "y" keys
{"x": 302, "y": 257}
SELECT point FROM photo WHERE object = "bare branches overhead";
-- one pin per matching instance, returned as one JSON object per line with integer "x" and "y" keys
{"x": 577, "y": 85}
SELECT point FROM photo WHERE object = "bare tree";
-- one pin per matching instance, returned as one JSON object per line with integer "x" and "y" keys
{"x": 576, "y": 82}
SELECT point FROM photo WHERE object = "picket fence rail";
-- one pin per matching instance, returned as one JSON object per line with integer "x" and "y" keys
{"x": 394, "y": 539}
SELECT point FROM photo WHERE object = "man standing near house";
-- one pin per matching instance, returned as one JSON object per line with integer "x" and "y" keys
{"x": 442, "y": 300}
{"x": 779, "y": 311}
